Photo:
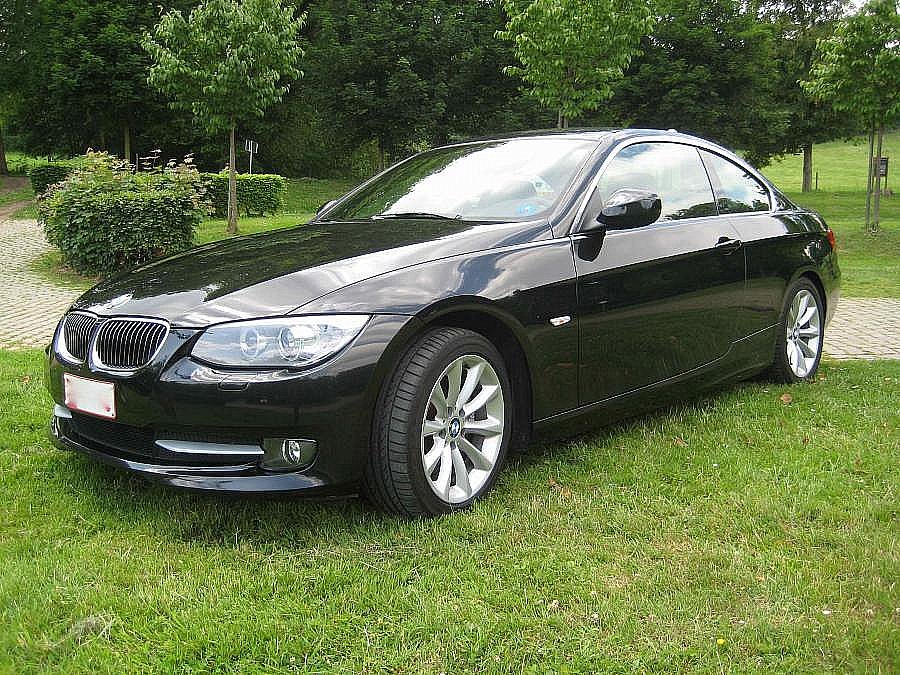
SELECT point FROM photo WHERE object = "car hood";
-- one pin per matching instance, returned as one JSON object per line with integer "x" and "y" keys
{"x": 275, "y": 273}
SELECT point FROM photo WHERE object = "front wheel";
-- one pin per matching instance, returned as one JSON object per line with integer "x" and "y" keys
{"x": 442, "y": 426}
{"x": 800, "y": 333}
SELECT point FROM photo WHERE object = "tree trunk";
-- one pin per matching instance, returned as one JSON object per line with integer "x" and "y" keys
{"x": 126, "y": 132}
{"x": 807, "y": 167}
{"x": 232, "y": 187}
{"x": 4, "y": 169}
{"x": 870, "y": 176}
{"x": 875, "y": 217}
{"x": 559, "y": 119}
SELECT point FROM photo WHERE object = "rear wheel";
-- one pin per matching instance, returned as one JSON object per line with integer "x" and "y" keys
{"x": 442, "y": 426}
{"x": 799, "y": 347}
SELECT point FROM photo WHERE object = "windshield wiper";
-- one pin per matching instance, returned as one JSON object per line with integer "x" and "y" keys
{"x": 415, "y": 214}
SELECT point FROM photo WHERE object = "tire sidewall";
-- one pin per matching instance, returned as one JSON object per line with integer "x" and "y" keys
{"x": 469, "y": 343}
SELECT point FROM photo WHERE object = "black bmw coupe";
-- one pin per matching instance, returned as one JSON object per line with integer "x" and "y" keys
{"x": 454, "y": 306}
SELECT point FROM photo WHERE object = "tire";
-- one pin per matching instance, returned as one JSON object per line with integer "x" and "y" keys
{"x": 798, "y": 345}
{"x": 465, "y": 452}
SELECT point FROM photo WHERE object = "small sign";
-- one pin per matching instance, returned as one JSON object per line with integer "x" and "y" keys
{"x": 251, "y": 146}
{"x": 883, "y": 167}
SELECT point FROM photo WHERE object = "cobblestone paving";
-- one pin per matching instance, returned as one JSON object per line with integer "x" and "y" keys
{"x": 29, "y": 306}
{"x": 863, "y": 328}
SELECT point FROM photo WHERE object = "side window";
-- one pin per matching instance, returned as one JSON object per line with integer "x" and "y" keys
{"x": 671, "y": 170}
{"x": 736, "y": 190}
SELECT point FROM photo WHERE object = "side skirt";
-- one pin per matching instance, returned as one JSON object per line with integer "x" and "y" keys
{"x": 746, "y": 357}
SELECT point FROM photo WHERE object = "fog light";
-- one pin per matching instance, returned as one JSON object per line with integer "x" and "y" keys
{"x": 288, "y": 453}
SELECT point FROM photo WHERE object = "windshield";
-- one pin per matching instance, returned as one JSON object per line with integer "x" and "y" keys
{"x": 516, "y": 179}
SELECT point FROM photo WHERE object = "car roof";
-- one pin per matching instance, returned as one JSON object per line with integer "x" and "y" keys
{"x": 589, "y": 134}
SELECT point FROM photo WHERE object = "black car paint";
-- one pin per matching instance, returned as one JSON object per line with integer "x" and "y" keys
{"x": 655, "y": 312}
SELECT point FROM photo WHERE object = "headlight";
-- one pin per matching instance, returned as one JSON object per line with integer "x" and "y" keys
{"x": 288, "y": 342}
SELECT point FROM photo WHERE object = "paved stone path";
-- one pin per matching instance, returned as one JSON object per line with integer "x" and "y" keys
{"x": 30, "y": 307}
{"x": 864, "y": 328}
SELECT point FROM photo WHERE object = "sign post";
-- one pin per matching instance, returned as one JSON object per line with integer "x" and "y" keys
{"x": 252, "y": 147}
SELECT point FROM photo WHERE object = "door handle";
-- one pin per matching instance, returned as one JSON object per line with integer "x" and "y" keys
{"x": 728, "y": 246}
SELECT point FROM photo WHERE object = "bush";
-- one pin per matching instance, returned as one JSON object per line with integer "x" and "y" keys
{"x": 257, "y": 194}
{"x": 46, "y": 174}
{"x": 104, "y": 218}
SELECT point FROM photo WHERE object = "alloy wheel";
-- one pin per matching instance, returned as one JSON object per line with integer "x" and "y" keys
{"x": 804, "y": 330}
{"x": 462, "y": 429}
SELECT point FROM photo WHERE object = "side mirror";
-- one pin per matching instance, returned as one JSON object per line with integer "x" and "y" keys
{"x": 628, "y": 208}
{"x": 325, "y": 207}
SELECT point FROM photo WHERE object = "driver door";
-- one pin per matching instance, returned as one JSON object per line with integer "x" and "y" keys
{"x": 661, "y": 300}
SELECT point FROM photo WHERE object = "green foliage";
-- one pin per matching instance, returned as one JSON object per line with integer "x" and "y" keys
{"x": 226, "y": 61}
{"x": 799, "y": 25}
{"x": 257, "y": 194}
{"x": 403, "y": 75}
{"x": 78, "y": 73}
{"x": 858, "y": 68}
{"x": 710, "y": 68}
{"x": 104, "y": 218}
{"x": 572, "y": 52}
{"x": 42, "y": 176}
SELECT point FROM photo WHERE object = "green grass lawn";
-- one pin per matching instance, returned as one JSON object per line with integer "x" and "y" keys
{"x": 743, "y": 532}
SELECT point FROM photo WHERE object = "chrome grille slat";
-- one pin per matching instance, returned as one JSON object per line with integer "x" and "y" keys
{"x": 77, "y": 329}
{"x": 128, "y": 343}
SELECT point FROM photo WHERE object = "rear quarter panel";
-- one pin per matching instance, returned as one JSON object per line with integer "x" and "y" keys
{"x": 779, "y": 248}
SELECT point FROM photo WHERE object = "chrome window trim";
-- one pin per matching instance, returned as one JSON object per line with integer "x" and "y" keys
{"x": 697, "y": 144}
{"x": 98, "y": 364}
{"x": 61, "y": 349}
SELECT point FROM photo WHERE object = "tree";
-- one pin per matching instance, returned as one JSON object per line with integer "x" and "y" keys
{"x": 80, "y": 74}
{"x": 799, "y": 24}
{"x": 572, "y": 52}
{"x": 858, "y": 70}
{"x": 709, "y": 68}
{"x": 226, "y": 62}
{"x": 12, "y": 20}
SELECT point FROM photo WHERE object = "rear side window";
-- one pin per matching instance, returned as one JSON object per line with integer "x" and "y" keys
{"x": 671, "y": 170}
{"x": 736, "y": 190}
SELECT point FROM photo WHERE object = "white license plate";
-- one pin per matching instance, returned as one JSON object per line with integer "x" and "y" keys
{"x": 90, "y": 396}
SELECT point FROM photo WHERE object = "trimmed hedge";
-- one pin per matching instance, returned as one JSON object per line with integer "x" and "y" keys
{"x": 105, "y": 219}
{"x": 257, "y": 194}
{"x": 44, "y": 175}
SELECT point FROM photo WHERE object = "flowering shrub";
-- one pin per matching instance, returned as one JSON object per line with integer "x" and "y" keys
{"x": 105, "y": 218}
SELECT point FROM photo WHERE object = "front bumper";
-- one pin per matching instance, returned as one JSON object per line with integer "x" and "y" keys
{"x": 233, "y": 479}
{"x": 176, "y": 397}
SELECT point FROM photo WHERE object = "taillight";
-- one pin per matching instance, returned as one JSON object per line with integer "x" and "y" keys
{"x": 831, "y": 239}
